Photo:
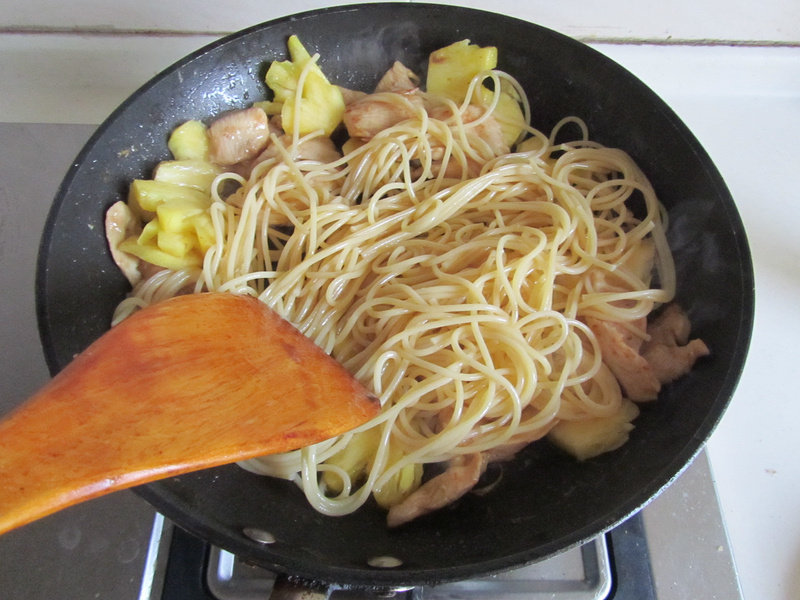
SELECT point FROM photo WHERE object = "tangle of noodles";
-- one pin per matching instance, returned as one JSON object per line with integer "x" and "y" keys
{"x": 457, "y": 299}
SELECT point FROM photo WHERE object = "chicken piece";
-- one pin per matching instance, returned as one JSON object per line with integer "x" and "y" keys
{"x": 319, "y": 149}
{"x": 370, "y": 115}
{"x": 398, "y": 78}
{"x": 488, "y": 129}
{"x": 461, "y": 475}
{"x": 276, "y": 125}
{"x": 640, "y": 366}
{"x": 149, "y": 269}
{"x": 238, "y": 136}
{"x": 620, "y": 348}
{"x": 670, "y": 327}
{"x": 121, "y": 224}
{"x": 349, "y": 96}
{"x": 668, "y": 350}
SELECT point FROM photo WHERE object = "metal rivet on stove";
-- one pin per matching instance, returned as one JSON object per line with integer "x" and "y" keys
{"x": 259, "y": 535}
{"x": 384, "y": 562}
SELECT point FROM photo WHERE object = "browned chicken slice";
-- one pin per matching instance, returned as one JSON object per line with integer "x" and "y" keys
{"x": 620, "y": 348}
{"x": 669, "y": 350}
{"x": 488, "y": 129}
{"x": 319, "y": 149}
{"x": 349, "y": 96}
{"x": 238, "y": 136}
{"x": 399, "y": 78}
{"x": 641, "y": 367}
{"x": 370, "y": 115}
{"x": 460, "y": 477}
{"x": 121, "y": 224}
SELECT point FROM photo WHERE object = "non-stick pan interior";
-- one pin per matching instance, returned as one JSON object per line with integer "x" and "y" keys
{"x": 544, "y": 501}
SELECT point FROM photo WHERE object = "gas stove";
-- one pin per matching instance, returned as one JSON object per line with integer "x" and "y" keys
{"x": 674, "y": 548}
{"x": 185, "y": 568}
{"x": 117, "y": 547}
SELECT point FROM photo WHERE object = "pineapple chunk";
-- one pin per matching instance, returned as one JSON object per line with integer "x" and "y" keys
{"x": 176, "y": 239}
{"x": 176, "y": 216}
{"x": 189, "y": 141}
{"x": 400, "y": 486}
{"x": 508, "y": 113}
{"x": 194, "y": 173}
{"x": 450, "y": 69}
{"x": 354, "y": 459}
{"x": 145, "y": 195}
{"x": 179, "y": 231}
{"x": 270, "y": 107}
{"x": 592, "y": 437}
{"x": 531, "y": 144}
{"x": 152, "y": 254}
{"x": 174, "y": 204}
{"x": 204, "y": 230}
{"x": 176, "y": 244}
{"x": 321, "y": 107}
{"x": 320, "y": 103}
{"x": 148, "y": 234}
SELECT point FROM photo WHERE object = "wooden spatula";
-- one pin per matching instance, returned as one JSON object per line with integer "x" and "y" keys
{"x": 193, "y": 382}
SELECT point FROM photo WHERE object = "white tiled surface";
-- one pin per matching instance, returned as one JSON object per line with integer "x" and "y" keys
{"x": 730, "y": 69}
{"x": 678, "y": 19}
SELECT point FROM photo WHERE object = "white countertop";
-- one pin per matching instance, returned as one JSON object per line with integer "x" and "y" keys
{"x": 731, "y": 70}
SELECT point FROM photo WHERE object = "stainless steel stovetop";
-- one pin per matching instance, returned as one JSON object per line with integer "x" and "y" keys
{"x": 584, "y": 573}
{"x": 118, "y": 548}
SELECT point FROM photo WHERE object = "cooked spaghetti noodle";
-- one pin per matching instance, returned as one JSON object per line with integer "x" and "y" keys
{"x": 452, "y": 282}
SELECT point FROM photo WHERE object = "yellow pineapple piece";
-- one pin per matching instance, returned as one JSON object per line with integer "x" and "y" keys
{"x": 148, "y": 234}
{"x": 204, "y": 230}
{"x": 145, "y": 195}
{"x": 176, "y": 215}
{"x": 194, "y": 173}
{"x": 592, "y": 437}
{"x": 450, "y": 69}
{"x": 189, "y": 141}
{"x": 354, "y": 459}
{"x": 508, "y": 113}
{"x": 178, "y": 229}
{"x": 151, "y": 253}
{"x": 399, "y": 486}
{"x": 174, "y": 243}
{"x": 320, "y": 103}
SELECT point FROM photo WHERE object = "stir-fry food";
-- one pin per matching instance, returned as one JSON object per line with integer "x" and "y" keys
{"x": 492, "y": 284}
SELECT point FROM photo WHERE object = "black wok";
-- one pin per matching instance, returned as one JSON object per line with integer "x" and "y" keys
{"x": 545, "y": 501}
